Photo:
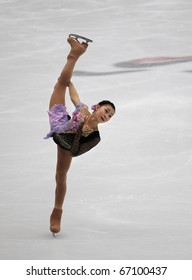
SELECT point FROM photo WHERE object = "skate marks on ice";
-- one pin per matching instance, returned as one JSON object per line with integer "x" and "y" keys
{"x": 137, "y": 65}
{"x": 158, "y": 154}
{"x": 146, "y": 210}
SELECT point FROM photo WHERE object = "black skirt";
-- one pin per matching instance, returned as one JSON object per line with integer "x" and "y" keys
{"x": 64, "y": 140}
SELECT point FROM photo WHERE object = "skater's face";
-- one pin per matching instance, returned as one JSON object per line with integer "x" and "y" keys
{"x": 104, "y": 113}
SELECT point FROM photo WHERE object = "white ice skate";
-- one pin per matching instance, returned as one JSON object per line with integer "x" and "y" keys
{"x": 76, "y": 36}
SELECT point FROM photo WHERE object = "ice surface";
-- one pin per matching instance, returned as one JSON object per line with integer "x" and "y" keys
{"x": 129, "y": 198}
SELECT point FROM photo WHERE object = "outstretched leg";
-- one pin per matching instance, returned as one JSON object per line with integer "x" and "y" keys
{"x": 64, "y": 159}
{"x": 77, "y": 49}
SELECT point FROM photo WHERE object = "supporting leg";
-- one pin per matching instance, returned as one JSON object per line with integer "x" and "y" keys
{"x": 64, "y": 159}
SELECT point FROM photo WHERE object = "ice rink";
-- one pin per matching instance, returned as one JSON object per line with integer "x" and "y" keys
{"x": 130, "y": 197}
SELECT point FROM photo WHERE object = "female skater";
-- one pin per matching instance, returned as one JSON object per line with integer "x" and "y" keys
{"x": 73, "y": 136}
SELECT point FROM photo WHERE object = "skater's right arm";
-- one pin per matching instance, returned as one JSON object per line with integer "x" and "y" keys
{"x": 73, "y": 94}
{"x": 82, "y": 108}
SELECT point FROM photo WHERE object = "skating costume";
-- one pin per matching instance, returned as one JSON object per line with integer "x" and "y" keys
{"x": 70, "y": 133}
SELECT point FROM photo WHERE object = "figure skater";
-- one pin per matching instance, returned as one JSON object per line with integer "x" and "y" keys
{"x": 73, "y": 135}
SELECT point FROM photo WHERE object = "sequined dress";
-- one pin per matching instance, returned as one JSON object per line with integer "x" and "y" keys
{"x": 71, "y": 133}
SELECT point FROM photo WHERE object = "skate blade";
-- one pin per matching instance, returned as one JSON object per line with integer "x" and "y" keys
{"x": 76, "y": 36}
{"x": 54, "y": 234}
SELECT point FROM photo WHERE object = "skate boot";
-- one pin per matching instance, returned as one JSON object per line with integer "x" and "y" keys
{"x": 77, "y": 48}
{"x": 55, "y": 220}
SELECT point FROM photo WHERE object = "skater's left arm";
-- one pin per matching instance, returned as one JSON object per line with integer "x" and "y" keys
{"x": 73, "y": 94}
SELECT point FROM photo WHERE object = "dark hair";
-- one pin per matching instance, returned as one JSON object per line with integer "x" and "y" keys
{"x": 107, "y": 102}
